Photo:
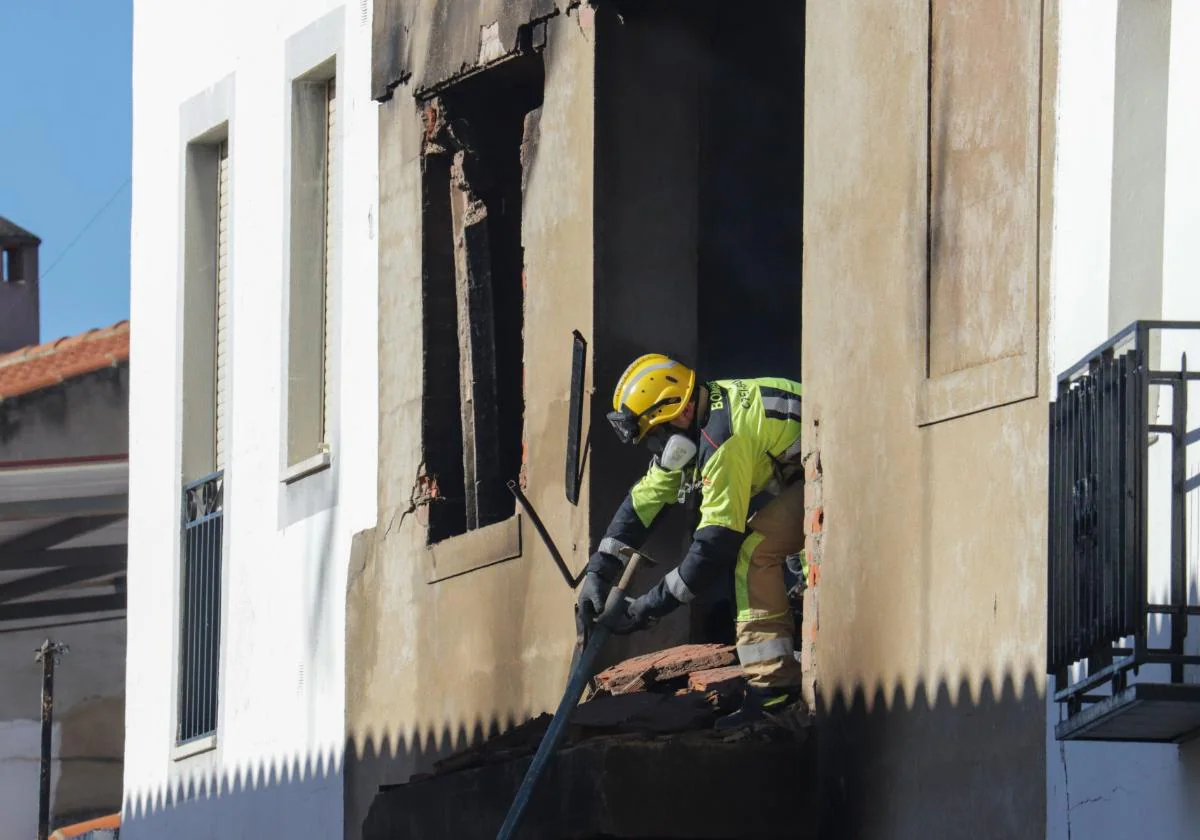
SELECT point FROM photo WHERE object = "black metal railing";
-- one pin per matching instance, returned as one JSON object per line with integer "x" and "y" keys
{"x": 1097, "y": 469}
{"x": 200, "y": 628}
{"x": 1098, "y": 599}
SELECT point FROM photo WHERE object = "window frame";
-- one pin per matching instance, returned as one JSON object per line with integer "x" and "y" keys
{"x": 1014, "y": 377}
{"x": 206, "y": 123}
{"x": 459, "y": 245}
{"x": 313, "y": 59}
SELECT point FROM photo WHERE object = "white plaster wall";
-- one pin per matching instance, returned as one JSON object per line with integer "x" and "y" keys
{"x": 92, "y": 669}
{"x": 20, "y": 751}
{"x": 276, "y": 768}
{"x": 1099, "y": 790}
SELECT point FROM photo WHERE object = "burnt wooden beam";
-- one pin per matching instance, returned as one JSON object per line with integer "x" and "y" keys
{"x": 90, "y": 556}
{"x": 441, "y": 425}
{"x": 55, "y": 579}
{"x": 55, "y": 533}
{"x": 62, "y": 606}
{"x": 477, "y": 348}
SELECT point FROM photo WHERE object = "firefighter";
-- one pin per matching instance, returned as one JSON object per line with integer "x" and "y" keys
{"x": 738, "y": 442}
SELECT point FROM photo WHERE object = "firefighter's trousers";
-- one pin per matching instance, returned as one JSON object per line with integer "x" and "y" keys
{"x": 764, "y": 618}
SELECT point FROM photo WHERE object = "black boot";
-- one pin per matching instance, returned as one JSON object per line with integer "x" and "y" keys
{"x": 758, "y": 704}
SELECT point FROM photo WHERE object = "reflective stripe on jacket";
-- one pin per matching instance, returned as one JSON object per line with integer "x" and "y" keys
{"x": 752, "y": 430}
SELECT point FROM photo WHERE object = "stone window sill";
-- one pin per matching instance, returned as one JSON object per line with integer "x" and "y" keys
{"x": 195, "y": 747}
{"x": 476, "y": 549}
{"x": 307, "y": 467}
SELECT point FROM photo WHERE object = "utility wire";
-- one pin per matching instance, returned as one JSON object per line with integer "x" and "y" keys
{"x": 86, "y": 227}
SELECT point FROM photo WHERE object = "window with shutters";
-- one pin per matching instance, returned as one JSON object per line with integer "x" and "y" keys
{"x": 221, "y": 339}
{"x": 207, "y": 241}
{"x": 312, "y": 251}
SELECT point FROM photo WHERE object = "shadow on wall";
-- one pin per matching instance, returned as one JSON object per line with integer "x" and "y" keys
{"x": 941, "y": 764}
{"x": 296, "y": 796}
{"x": 945, "y": 763}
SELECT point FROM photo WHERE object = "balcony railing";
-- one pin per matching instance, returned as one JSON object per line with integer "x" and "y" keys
{"x": 200, "y": 628}
{"x": 1120, "y": 596}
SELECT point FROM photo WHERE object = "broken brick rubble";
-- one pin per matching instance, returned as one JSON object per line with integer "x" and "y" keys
{"x": 731, "y": 677}
{"x": 651, "y": 716}
{"x": 681, "y": 689}
{"x": 643, "y": 672}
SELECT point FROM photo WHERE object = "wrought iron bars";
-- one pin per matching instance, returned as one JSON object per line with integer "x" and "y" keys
{"x": 200, "y": 606}
{"x": 1096, "y": 493}
{"x": 1100, "y": 430}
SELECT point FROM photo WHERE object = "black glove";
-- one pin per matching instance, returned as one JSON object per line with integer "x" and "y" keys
{"x": 603, "y": 571}
{"x": 593, "y": 592}
{"x": 644, "y": 611}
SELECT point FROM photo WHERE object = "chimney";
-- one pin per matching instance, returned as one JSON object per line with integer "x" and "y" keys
{"x": 19, "y": 321}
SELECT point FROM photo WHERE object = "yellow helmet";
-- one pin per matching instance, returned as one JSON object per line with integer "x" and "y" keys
{"x": 652, "y": 391}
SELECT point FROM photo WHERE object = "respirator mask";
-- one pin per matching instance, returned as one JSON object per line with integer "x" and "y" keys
{"x": 673, "y": 450}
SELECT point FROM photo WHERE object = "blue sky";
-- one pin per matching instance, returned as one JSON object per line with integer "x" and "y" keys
{"x": 64, "y": 151}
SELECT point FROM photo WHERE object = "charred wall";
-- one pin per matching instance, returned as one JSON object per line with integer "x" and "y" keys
{"x": 451, "y": 637}
{"x": 699, "y": 186}
{"x": 422, "y": 44}
{"x": 660, "y": 211}
{"x": 650, "y": 64}
{"x": 751, "y": 189}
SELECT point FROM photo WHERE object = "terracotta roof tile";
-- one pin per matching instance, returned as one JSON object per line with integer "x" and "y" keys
{"x": 33, "y": 368}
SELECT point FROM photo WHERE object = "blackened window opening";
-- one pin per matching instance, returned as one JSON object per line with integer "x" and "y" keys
{"x": 473, "y": 292}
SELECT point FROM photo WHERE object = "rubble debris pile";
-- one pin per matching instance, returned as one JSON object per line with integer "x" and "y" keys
{"x": 648, "y": 724}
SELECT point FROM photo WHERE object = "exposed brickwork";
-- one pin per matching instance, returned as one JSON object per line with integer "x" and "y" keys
{"x": 33, "y": 368}
{"x": 814, "y": 511}
{"x": 814, "y": 538}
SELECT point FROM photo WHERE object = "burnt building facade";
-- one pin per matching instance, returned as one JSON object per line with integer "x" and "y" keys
{"x": 852, "y": 195}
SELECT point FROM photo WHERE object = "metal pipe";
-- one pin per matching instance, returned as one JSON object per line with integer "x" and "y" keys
{"x": 573, "y": 475}
{"x": 579, "y": 677}
{"x": 48, "y": 655}
{"x": 527, "y": 506}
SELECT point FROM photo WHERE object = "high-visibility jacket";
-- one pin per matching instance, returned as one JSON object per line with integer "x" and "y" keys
{"x": 749, "y": 443}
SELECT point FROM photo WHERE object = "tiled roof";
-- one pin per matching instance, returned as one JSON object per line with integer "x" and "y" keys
{"x": 10, "y": 231}
{"x": 33, "y": 368}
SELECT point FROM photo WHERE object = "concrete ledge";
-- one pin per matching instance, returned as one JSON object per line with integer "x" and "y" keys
{"x": 693, "y": 786}
{"x": 1144, "y": 712}
{"x": 464, "y": 553}
{"x": 307, "y": 467}
{"x": 194, "y": 747}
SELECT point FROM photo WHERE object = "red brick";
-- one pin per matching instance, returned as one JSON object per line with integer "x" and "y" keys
{"x": 814, "y": 521}
{"x": 715, "y": 678}
{"x": 812, "y": 466}
{"x": 814, "y": 574}
{"x": 643, "y": 672}
{"x": 685, "y": 659}
{"x": 813, "y": 495}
